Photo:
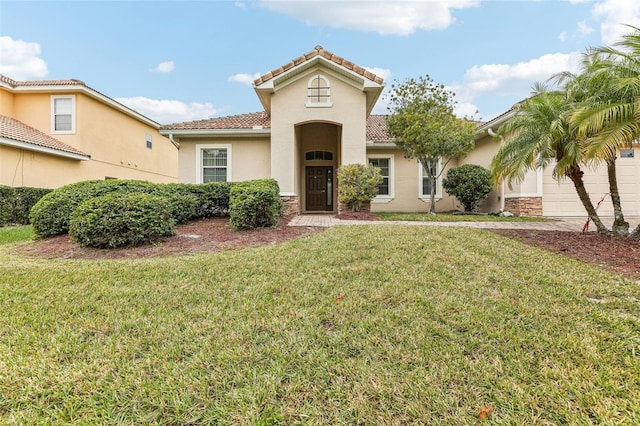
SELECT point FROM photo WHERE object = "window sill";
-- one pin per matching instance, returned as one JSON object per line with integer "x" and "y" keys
{"x": 427, "y": 199}
{"x": 382, "y": 200}
{"x": 318, "y": 105}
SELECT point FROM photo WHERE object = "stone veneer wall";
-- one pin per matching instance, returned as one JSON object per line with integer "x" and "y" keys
{"x": 524, "y": 206}
{"x": 291, "y": 206}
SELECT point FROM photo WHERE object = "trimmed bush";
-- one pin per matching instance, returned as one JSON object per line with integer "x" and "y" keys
{"x": 26, "y": 198}
{"x": 469, "y": 183}
{"x": 7, "y": 202}
{"x": 15, "y": 203}
{"x": 357, "y": 184}
{"x": 51, "y": 215}
{"x": 117, "y": 220}
{"x": 212, "y": 197}
{"x": 254, "y": 204}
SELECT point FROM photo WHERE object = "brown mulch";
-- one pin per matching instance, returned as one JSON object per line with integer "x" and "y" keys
{"x": 614, "y": 253}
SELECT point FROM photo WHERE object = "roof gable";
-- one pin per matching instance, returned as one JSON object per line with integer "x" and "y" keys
{"x": 371, "y": 84}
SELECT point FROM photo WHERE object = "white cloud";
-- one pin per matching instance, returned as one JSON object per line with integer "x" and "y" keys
{"x": 245, "y": 78}
{"x": 562, "y": 36}
{"x": 465, "y": 109}
{"x": 241, "y": 5}
{"x": 169, "y": 111}
{"x": 165, "y": 67}
{"x": 615, "y": 15}
{"x": 584, "y": 29}
{"x": 513, "y": 79}
{"x": 20, "y": 60}
{"x": 380, "y": 72}
{"x": 400, "y": 17}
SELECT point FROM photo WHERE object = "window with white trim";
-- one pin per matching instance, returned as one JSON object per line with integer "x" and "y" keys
{"x": 626, "y": 153}
{"x": 213, "y": 163}
{"x": 318, "y": 92}
{"x": 385, "y": 164}
{"x": 63, "y": 114}
{"x": 424, "y": 186}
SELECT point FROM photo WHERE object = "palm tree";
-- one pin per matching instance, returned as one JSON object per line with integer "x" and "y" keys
{"x": 537, "y": 134}
{"x": 590, "y": 89}
{"x": 613, "y": 121}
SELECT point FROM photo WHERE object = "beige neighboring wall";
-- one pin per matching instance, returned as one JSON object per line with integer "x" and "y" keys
{"x": 116, "y": 142}
{"x": 250, "y": 157}
{"x": 288, "y": 109}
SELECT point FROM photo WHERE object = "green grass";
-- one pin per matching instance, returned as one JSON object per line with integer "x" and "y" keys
{"x": 448, "y": 217}
{"x": 356, "y": 325}
{"x": 16, "y": 234}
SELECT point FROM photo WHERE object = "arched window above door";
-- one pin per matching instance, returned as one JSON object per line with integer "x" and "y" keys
{"x": 319, "y": 92}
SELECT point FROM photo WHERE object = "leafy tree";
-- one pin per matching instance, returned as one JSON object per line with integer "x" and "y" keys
{"x": 424, "y": 126}
{"x": 538, "y": 133}
{"x": 469, "y": 183}
{"x": 358, "y": 184}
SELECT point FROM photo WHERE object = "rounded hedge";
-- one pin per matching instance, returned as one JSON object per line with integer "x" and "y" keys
{"x": 117, "y": 220}
{"x": 469, "y": 183}
{"x": 51, "y": 214}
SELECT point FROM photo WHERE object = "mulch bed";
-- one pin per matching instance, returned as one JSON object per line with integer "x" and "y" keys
{"x": 614, "y": 253}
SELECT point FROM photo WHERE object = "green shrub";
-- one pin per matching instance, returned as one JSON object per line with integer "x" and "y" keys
{"x": 357, "y": 184}
{"x": 212, "y": 197}
{"x": 15, "y": 203}
{"x": 254, "y": 204}
{"x": 7, "y": 203}
{"x": 469, "y": 183}
{"x": 52, "y": 213}
{"x": 26, "y": 198}
{"x": 117, "y": 220}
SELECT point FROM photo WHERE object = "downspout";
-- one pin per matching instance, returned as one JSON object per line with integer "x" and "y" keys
{"x": 495, "y": 135}
{"x": 173, "y": 141}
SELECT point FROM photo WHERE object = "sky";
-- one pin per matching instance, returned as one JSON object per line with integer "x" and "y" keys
{"x": 177, "y": 61}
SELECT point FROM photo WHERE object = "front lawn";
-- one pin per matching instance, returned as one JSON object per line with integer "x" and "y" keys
{"x": 356, "y": 325}
{"x": 15, "y": 234}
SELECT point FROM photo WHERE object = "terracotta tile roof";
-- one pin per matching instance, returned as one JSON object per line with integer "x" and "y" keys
{"x": 14, "y": 83}
{"x": 377, "y": 130}
{"x": 18, "y": 131}
{"x": 319, "y": 51}
{"x": 232, "y": 122}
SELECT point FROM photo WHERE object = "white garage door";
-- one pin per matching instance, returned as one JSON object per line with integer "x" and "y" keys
{"x": 561, "y": 199}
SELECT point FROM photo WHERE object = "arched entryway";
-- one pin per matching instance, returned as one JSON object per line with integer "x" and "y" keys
{"x": 319, "y": 156}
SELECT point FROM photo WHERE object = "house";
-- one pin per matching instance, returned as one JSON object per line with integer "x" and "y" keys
{"x": 57, "y": 132}
{"x": 317, "y": 116}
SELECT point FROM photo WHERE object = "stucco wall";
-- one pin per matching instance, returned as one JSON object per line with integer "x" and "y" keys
{"x": 250, "y": 157}
{"x": 288, "y": 110}
{"x": 405, "y": 181}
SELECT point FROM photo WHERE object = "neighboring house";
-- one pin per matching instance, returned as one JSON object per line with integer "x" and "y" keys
{"x": 57, "y": 132}
{"x": 317, "y": 116}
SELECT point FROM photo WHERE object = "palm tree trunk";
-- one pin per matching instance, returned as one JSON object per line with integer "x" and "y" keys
{"x": 620, "y": 226}
{"x": 635, "y": 235}
{"x": 575, "y": 174}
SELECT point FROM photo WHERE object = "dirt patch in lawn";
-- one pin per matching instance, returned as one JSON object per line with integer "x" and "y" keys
{"x": 613, "y": 253}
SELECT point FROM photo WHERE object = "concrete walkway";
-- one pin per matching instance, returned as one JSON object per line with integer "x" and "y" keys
{"x": 564, "y": 224}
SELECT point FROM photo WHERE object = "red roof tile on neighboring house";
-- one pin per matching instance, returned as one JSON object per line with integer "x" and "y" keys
{"x": 18, "y": 131}
{"x": 319, "y": 51}
{"x": 232, "y": 122}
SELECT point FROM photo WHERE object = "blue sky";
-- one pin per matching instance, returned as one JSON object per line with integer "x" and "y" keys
{"x": 179, "y": 61}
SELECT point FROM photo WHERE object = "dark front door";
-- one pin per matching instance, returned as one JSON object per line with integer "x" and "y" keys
{"x": 319, "y": 189}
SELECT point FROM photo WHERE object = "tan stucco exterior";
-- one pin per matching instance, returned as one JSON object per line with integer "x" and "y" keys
{"x": 113, "y": 138}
